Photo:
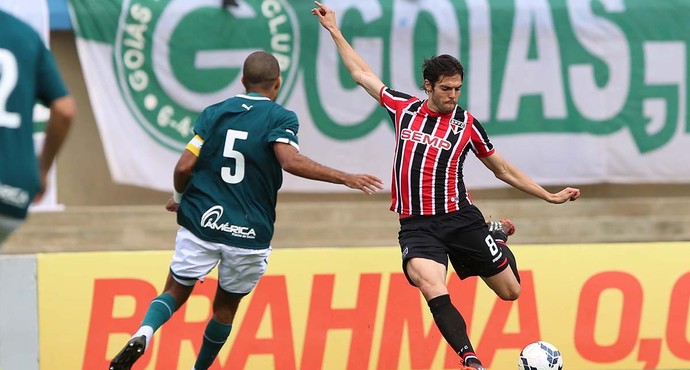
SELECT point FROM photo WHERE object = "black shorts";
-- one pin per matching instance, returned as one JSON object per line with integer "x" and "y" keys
{"x": 461, "y": 237}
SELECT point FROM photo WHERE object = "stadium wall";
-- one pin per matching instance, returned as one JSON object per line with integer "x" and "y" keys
{"x": 628, "y": 308}
{"x": 18, "y": 313}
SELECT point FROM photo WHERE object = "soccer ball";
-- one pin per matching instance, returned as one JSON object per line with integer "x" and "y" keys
{"x": 540, "y": 356}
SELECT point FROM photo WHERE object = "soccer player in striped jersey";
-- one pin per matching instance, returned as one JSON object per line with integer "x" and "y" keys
{"x": 27, "y": 74}
{"x": 226, "y": 185}
{"x": 438, "y": 221}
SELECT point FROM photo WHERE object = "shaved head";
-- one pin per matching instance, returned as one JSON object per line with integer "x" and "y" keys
{"x": 260, "y": 71}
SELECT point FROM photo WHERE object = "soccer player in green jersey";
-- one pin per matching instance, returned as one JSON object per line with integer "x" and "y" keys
{"x": 226, "y": 185}
{"x": 27, "y": 74}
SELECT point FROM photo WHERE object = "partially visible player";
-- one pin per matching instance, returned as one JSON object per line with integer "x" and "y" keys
{"x": 226, "y": 184}
{"x": 27, "y": 74}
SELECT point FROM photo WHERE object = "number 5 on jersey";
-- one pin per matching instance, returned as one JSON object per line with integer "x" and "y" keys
{"x": 230, "y": 152}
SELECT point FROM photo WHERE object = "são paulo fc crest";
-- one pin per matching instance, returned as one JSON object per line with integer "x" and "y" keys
{"x": 175, "y": 57}
{"x": 456, "y": 125}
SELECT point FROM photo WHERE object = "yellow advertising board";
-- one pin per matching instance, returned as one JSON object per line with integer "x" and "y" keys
{"x": 605, "y": 306}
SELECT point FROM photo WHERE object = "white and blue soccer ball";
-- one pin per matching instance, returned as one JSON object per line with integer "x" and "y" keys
{"x": 540, "y": 356}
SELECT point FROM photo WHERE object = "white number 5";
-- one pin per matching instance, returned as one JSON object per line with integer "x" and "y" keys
{"x": 229, "y": 152}
{"x": 8, "y": 80}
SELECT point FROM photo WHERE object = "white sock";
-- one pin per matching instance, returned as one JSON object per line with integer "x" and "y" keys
{"x": 147, "y": 332}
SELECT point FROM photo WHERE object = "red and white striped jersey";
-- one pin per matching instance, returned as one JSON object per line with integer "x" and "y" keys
{"x": 430, "y": 151}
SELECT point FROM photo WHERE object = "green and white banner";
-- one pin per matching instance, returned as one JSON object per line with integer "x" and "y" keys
{"x": 571, "y": 91}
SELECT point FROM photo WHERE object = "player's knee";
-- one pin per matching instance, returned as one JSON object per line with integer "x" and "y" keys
{"x": 431, "y": 289}
{"x": 510, "y": 293}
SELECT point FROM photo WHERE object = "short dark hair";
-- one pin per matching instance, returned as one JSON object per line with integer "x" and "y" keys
{"x": 260, "y": 71}
{"x": 439, "y": 66}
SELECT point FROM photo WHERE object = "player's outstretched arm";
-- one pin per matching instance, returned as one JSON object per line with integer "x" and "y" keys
{"x": 360, "y": 71}
{"x": 302, "y": 166}
{"x": 506, "y": 172}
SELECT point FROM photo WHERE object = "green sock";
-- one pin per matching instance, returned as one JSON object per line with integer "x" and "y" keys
{"x": 215, "y": 336}
{"x": 160, "y": 310}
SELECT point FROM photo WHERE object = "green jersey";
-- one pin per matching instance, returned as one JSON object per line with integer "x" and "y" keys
{"x": 27, "y": 74}
{"x": 231, "y": 197}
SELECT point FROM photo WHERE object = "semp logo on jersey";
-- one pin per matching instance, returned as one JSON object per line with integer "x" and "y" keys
{"x": 175, "y": 57}
{"x": 210, "y": 219}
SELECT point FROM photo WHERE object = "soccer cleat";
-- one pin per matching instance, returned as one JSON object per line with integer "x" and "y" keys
{"x": 504, "y": 225}
{"x": 472, "y": 363}
{"x": 473, "y": 367}
{"x": 501, "y": 230}
{"x": 130, "y": 354}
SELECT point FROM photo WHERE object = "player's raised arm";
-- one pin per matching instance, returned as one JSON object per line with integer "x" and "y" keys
{"x": 359, "y": 69}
